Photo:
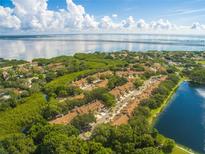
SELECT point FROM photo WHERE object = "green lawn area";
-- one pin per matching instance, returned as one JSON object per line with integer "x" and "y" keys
{"x": 178, "y": 150}
{"x": 201, "y": 62}
{"x": 91, "y": 64}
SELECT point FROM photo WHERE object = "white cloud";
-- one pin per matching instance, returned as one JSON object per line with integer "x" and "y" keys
{"x": 78, "y": 18}
{"x": 34, "y": 15}
{"x": 141, "y": 24}
{"x": 129, "y": 23}
{"x": 162, "y": 25}
{"x": 106, "y": 23}
{"x": 8, "y": 20}
{"x": 76, "y": 15}
{"x": 114, "y": 15}
{"x": 90, "y": 23}
{"x": 197, "y": 26}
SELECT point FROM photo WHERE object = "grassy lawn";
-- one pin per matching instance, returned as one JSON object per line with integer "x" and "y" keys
{"x": 93, "y": 65}
{"x": 201, "y": 62}
{"x": 178, "y": 150}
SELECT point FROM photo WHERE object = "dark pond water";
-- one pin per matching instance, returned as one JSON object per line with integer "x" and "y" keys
{"x": 29, "y": 47}
{"x": 184, "y": 118}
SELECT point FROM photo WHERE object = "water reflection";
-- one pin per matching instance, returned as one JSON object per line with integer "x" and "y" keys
{"x": 183, "y": 119}
{"x": 30, "y": 47}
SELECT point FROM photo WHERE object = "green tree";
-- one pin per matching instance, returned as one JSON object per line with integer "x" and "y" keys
{"x": 50, "y": 76}
{"x": 2, "y": 150}
{"x": 82, "y": 122}
{"x": 51, "y": 109}
{"x": 168, "y": 146}
{"x": 39, "y": 131}
{"x": 149, "y": 150}
{"x": 197, "y": 75}
{"x": 138, "y": 68}
{"x": 103, "y": 134}
{"x": 140, "y": 125}
{"x": 18, "y": 144}
{"x": 100, "y": 94}
{"x": 108, "y": 99}
{"x": 144, "y": 140}
{"x": 138, "y": 82}
{"x": 54, "y": 143}
{"x": 97, "y": 148}
{"x": 115, "y": 81}
{"x": 142, "y": 111}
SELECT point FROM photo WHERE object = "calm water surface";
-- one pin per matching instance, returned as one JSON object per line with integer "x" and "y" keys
{"x": 29, "y": 47}
{"x": 184, "y": 118}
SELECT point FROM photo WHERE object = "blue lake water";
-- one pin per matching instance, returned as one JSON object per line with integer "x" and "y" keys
{"x": 29, "y": 47}
{"x": 184, "y": 118}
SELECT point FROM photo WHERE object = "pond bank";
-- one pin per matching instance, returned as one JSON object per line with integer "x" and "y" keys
{"x": 155, "y": 113}
{"x": 179, "y": 149}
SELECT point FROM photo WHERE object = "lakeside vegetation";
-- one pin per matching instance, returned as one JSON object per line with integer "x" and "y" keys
{"x": 48, "y": 90}
{"x": 156, "y": 112}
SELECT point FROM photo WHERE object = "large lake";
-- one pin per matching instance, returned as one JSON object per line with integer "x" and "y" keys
{"x": 29, "y": 47}
{"x": 184, "y": 118}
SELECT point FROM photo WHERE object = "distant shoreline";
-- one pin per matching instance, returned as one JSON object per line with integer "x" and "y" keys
{"x": 100, "y": 33}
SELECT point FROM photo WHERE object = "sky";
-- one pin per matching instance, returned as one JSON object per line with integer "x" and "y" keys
{"x": 84, "y": 16}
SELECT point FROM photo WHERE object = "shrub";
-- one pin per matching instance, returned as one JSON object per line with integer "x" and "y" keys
{"x": 82, "y": 122}
{"x": 115, "y": 81}
{"x": 138, "y": 82}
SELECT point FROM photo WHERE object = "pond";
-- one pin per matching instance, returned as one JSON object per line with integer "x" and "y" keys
{"x": 184, "y": 118}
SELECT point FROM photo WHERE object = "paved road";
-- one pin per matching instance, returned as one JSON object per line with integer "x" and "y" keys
{"x": 106, "y": 115}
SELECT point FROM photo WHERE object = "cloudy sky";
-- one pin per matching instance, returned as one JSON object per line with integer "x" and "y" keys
{"x": 76, "y": 16}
